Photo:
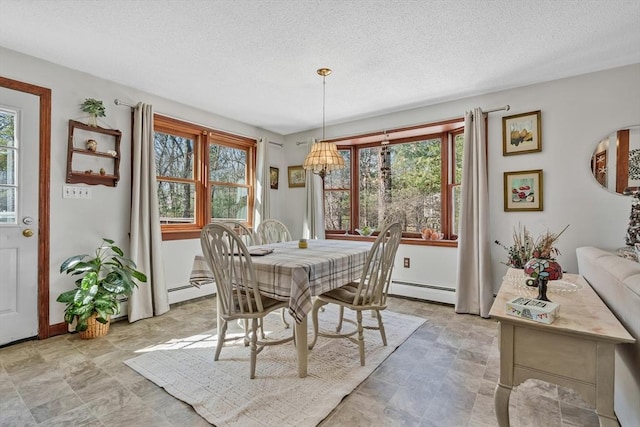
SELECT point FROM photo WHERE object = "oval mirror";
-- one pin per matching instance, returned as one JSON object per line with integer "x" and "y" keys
{"x": 615, "y": 163}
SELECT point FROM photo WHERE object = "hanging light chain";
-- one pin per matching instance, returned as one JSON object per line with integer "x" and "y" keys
{"x": 324, "y": 72}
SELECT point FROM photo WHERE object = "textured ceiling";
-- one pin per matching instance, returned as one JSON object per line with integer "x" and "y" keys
{"x": 255, "y": 60}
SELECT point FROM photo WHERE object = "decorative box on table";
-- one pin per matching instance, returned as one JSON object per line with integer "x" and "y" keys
{"x": 533, "y": 309}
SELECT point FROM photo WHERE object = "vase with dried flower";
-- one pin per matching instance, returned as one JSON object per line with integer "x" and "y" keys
{"x": 521, "y": 250}
{"x": 537, "y": 258}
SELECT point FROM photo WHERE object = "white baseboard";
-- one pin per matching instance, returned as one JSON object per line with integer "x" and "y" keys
{"x": 424, "y": 292}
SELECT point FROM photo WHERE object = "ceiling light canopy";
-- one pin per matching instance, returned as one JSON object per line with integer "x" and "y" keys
{"x": 324, "y": 156}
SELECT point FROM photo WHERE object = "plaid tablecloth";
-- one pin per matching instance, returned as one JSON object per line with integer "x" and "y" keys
{"x": 295, "y": 275}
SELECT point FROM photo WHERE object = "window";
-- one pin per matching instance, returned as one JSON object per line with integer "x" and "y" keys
{"x": 8, "y": 167}
{"x": 410, "y": 175}
{"x": 202, "y": 175}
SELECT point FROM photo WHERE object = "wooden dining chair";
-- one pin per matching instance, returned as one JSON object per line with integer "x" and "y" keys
{"x": 237, "y": 287}
{"x": 249, "y": 239}
{"x": 246, "y": 234}
{"x": 368, "y": 294}
{"x": 273, "y": 231}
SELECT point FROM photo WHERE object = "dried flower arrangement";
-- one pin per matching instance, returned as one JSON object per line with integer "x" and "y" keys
{"x": 525, "y": 247}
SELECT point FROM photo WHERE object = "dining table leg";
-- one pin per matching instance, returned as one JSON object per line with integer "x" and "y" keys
{"x": 301, "y": 346}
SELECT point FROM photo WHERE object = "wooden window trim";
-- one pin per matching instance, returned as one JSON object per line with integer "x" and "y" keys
{"x": 203, "y": 137}
{"x": 443, "y": 130}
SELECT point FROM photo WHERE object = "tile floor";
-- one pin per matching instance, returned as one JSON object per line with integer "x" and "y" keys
{"x": 443, "y": 375}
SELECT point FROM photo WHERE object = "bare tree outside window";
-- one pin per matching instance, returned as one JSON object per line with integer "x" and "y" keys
{"x": 174, "y": 165}
{"x": 409, "y": 175}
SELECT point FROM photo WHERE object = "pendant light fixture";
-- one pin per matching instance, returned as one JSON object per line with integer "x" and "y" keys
{"x": 324, "y": 156}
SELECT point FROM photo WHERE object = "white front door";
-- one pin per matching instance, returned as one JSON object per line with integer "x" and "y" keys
{"x": 19, "y": 149}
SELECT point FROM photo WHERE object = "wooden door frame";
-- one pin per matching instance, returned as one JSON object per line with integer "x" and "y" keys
{"x": 44, "y": 94}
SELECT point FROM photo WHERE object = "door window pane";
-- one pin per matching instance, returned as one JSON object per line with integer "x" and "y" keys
{"x": 8, "y": 206}
{"x": 7, "y": 128}
{"x": 7, "y": 166}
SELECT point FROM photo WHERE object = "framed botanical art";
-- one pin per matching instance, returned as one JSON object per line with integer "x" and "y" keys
{"x": 296, "y": 176}
{"x": 274, "y": 176}
{"x": 521, "y": 133}
{"x": 523, "y": 190}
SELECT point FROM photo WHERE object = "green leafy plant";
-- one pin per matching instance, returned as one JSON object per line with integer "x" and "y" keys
{"x": 103, "y": 278}
{"x": 93, "y": 106}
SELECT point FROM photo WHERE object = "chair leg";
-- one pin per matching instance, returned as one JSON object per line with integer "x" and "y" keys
{"x": 223, "y": 332}
{"x": 283, "y": 313}
{"x": 360, "y": 336}
{"x": 254, "y": 347}
{"x": 316, "y": 306}
{"x": 381, "y": 327}
{"x": 340, "y": 317}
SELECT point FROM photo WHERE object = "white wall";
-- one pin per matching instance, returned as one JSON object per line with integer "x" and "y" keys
{"x": 576, "y": 114}
{"x": 77, "y": 225}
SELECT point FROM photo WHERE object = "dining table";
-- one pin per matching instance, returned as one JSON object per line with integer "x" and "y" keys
{"x": 294, "y": 274}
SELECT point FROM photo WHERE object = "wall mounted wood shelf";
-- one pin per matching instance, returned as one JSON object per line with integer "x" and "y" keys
{"x": 84, "y": 165}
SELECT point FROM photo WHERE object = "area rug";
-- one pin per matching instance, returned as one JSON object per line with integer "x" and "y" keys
{"x": 222, "y": 393}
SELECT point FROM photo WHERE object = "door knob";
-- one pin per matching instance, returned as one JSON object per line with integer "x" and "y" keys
{"x": 27, "y": 232}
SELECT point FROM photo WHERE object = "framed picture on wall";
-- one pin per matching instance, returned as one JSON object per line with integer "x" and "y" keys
{"x": 521, "y": 133}
{"x": 523, "y": 190}
{"x": 296, "y": 176}
{"x": 274, "y": 176}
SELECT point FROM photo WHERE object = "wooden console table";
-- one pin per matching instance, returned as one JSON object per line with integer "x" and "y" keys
{"x": 575, "y": 351}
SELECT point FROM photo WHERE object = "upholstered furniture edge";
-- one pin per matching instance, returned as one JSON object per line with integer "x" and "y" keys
{"x": 617, "y": 281}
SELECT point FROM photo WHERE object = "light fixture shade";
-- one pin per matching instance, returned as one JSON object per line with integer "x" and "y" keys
{"x": 323, "y": 158}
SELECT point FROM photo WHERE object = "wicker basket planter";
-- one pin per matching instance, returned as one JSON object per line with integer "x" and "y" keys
{"x": 95, "y": 329}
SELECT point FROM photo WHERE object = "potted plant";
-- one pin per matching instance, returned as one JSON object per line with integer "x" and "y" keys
{"x": 95, "y": 109}
{"x": 102, "y": 279}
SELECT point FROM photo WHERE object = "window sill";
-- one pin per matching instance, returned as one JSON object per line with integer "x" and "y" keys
{"x": 180, "y": 234}
{"x": 404, "y": 240}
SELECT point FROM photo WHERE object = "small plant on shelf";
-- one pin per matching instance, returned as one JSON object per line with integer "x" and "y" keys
{"x": 95, "y": 108}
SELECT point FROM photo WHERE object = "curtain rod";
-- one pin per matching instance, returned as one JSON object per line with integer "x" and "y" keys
{"x": 118, "y": 102}
{"x": 276, "y": 143}
{"x": 493, "y": 110}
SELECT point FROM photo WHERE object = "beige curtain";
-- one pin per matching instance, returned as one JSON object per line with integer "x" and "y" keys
{"x": 262, "y": 207}
{"x": 151, "y": 298}
{"x": 474, "y": 292}
{"x": 313, "y": 223}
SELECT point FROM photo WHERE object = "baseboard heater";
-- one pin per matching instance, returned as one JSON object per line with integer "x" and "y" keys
{"x": 180, "y": 288}
{"x": 426, "y": 292}
{"x": 420, "y": 285}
